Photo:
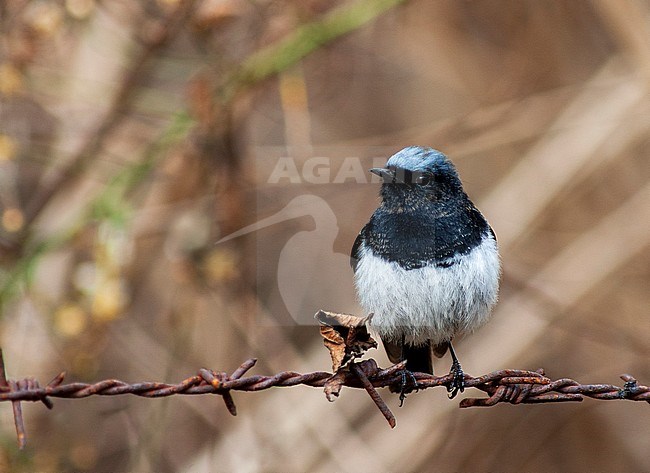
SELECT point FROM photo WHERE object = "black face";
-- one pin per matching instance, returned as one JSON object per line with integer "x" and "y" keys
{"x": 429, "y": 185}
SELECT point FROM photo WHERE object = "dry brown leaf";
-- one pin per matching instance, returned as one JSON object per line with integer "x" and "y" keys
{"x": 333, "y": 386}
{"x": 345, "y": 336}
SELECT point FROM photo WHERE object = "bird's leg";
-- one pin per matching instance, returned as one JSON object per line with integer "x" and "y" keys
{"x": 458, "y": 382}
{"x": 407, "y": 376}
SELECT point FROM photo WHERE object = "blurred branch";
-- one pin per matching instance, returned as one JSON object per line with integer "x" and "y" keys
{"x": 31, "y": 251}
{"x": 102, "y": 206}
{"x": 628, "y": 23}
{"x": 258, "y": 67}
{"x": 168, "y": 29}
{"x": 511, "y": 386}
{"x": 304, "y": 40}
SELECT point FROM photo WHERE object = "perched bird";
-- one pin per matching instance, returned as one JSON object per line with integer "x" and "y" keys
{"x": 426, "y": 264}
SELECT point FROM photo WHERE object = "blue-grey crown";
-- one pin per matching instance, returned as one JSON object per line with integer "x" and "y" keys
{"x": 417, "y": 158}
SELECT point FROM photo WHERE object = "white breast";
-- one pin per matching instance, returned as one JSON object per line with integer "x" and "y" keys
{"x": 430, "y": 303}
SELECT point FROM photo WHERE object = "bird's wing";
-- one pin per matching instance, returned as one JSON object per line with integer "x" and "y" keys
{"x": 418, "y": 358}
{"x": 440, "y": 349}
{"x": 354, "y": 254}
{"x": 494, "y": 235}
{"x": 394, "y": 350}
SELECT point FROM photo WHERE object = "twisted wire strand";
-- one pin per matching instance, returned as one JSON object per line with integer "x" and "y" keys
{"x": 512, "y": 386}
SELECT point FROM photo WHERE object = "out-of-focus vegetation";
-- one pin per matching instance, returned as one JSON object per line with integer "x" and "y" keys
{"x": 134, "y": 135}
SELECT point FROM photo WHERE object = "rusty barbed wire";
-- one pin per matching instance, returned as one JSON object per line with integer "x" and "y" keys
{"x": 511, "y": 386}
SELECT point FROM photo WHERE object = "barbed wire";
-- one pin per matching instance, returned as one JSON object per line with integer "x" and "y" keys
{"x": 511, "y": 386}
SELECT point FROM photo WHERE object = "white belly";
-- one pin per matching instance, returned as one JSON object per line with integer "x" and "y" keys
{"x": 429, "y": 303}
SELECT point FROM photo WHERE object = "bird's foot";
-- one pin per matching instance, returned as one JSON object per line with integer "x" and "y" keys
{"x": 458, "y": 381}
{"x": 407, "y": 386}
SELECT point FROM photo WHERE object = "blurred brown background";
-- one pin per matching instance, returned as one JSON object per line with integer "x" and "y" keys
{"x": 134, "y": 135}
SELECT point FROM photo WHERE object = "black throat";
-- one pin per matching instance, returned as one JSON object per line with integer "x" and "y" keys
{"x": 415, "y": 231}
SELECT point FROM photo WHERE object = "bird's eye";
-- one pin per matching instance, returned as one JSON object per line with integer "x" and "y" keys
{"x": 423, "y": 180}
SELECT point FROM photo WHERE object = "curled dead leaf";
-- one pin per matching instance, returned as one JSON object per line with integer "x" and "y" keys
{"x": 345, "y": 336}
{"x": 333, "y": 386}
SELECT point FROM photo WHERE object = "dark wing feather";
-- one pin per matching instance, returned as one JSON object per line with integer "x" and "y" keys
{"x": 393, "y": 350}
{"x": 440, "y": 349}
{"x": 354, "y": 254}
{"x": 418, "y": 358}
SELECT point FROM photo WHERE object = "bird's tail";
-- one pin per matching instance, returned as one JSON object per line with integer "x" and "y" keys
{"x": 418, "y": 358}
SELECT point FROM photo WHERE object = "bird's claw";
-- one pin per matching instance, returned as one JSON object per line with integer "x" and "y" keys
{"x": 458, "y": 381}
{"x": 407, "y": 386}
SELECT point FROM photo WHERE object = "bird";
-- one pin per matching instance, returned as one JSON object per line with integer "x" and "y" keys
{"x": 426, "y": 265}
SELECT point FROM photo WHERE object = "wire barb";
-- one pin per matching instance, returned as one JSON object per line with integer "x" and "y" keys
{"x": 13, "y": 386}
{"x": 374, "y": 395}
{"x": 511, "y": 386}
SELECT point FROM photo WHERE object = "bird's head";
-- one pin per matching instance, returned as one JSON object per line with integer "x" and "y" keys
{"x": 421, "y": 172}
